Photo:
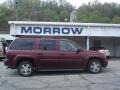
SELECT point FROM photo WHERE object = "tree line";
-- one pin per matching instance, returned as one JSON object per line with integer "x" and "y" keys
{"x": 57, "y": 11}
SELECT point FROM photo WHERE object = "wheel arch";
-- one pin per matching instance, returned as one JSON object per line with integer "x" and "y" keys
{"x": 18, "y": 61}
{"x": 97, "y": 58}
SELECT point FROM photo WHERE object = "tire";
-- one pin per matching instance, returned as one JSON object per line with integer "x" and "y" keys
{"x": 94, "y": 66}
{"x": 25, "y": 68}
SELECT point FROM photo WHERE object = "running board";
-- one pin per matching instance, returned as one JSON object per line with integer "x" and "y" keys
{"x": 60, "y": 69}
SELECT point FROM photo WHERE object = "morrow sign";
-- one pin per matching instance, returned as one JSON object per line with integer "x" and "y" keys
{"x": 50, "y": 30}
{"x": 64, "y": 29}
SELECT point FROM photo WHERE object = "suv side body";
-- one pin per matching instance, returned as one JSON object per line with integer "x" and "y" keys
{"x": 51, "y": 54}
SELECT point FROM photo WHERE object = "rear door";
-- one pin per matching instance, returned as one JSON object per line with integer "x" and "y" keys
{"x": 48, "y": 54}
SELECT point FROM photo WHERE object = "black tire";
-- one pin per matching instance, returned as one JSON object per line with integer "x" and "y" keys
{"x": 25, "y": 68}
{"x": 94, "y": 66}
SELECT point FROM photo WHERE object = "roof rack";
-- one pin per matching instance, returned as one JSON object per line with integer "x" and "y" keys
{"x": 32, "y": 36}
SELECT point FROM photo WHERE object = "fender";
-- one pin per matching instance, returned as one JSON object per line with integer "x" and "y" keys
{"x": 94, "y": 56}
{"x": 18, "y": 57}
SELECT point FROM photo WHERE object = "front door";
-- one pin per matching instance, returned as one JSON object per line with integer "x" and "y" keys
{"x": 69, "y": 57}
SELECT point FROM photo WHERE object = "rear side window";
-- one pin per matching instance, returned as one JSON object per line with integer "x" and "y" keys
{"x": 22, "y": 44}
{"x": 48, "y": 45}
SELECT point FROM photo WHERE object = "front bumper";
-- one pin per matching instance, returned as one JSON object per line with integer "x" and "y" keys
{"x": 105, "y": 64}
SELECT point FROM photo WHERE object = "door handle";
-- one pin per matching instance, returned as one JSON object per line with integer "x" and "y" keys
{"x": 62, "y": 54}
{"x": 40, "y": 54}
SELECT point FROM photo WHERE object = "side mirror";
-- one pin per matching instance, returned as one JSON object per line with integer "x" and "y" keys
{"x": 78, "y": 50}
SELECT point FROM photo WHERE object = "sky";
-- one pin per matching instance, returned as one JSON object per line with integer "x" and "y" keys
{"x": 78, "y": 3}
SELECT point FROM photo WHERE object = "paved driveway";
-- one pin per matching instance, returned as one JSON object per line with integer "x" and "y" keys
{"x": 109, "y": 79}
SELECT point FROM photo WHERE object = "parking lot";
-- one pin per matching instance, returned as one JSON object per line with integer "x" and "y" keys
{"x": 109, "y": 79}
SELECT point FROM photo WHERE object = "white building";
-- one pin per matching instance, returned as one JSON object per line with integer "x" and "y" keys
{"x": 85, "y": 34}
{"x": 7, "y": 37}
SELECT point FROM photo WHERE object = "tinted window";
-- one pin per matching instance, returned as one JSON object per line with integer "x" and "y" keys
{"x": 22, "y": 44}
{"x": 68, "y": 46}
{"x": 47, "y": 45}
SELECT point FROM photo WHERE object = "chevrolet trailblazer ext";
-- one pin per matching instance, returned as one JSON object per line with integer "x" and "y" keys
{"x": 30, "y": 54}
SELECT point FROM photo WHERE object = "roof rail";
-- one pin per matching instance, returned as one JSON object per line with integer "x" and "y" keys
{"x": 31, "y": 36}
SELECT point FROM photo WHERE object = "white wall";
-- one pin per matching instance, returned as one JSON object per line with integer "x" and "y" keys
{"x": 111, "y": 43}
{"x": 7, "y": 36}
{"x": 85, "y": 29}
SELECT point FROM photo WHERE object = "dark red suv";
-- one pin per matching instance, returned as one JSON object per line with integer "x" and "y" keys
{"x": 29, "y": 54}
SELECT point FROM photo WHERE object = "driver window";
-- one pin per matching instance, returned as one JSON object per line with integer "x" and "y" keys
{"x": 67, "y": 46}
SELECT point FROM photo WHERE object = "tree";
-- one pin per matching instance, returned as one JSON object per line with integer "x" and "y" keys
{"x": 2, "y": 18}
{"x": 116, "y": 19}
{"x": 64, "y": 15}
{"x": 58, "y": 11}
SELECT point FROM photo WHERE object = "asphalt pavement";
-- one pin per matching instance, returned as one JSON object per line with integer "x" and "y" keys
{"x": 109, "y": 79}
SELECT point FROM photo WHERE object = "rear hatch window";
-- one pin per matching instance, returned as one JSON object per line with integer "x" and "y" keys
{"x": 22, "y": 44}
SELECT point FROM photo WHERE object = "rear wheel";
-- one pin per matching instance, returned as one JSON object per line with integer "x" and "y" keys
{"x": 94, "y": 66}
{"x": 25, "y": 68}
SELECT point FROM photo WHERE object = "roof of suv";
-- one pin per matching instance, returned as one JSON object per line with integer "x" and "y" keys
{"x": 43, "y": 38}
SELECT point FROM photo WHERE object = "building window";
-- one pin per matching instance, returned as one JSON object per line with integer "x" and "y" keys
{"x": 97, "y": 43}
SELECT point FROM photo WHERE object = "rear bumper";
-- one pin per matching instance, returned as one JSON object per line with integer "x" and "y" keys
{"x": 8, "y": 64}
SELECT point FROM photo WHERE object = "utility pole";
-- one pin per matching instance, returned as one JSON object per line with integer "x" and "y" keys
{"x": 16, "y": 6}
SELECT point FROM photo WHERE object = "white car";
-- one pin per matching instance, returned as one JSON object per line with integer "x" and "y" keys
{"x": 101, "y": 50}
{"x": 3, "y": 45}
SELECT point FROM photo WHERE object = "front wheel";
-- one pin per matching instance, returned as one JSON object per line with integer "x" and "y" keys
{"x": 25, "y": 68}
{"x": 94, "y": 66}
